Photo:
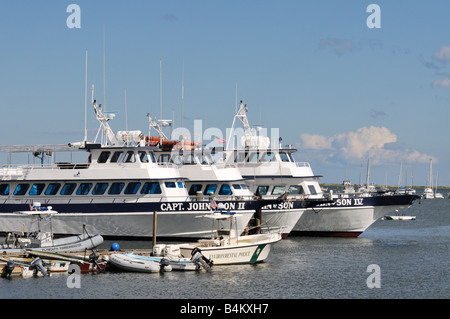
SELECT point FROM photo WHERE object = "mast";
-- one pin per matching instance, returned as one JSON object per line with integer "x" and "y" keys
{"x": 156, "y": 126}
{"x": 160, "y": 89}
{"x": 104, "y": 118}
{"x": 242, "y": 116}
{"x": 182, "y": 94}
{"x": 85, "y": 100}
{"x": 430, "y": 174}
{"x": 368, "y": 173}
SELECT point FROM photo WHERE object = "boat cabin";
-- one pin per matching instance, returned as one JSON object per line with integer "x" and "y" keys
{"x": 205, "y": 178}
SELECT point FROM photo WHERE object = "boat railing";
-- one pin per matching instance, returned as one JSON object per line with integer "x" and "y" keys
{"x": 119, "y": 199}
{"x": 273, "y": 164}
{"x": 302, "y": 164}
{"x": 223, "y": 165}
{"x": 200, "y": 198}
{"x": 22, "y": 168}
{"x": 288, "y": 197}
{"x": 168, "y": 165}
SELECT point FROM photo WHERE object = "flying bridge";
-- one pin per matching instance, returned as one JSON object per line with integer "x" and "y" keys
{"x": 39, "y": 149}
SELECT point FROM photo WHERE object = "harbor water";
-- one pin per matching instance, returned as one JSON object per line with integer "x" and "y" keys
{"x": 390, "y": 260}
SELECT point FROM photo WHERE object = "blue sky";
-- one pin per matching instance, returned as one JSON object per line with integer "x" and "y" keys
{"x": 338, "y": 91}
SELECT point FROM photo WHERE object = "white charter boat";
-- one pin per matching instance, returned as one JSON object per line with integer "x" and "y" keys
{"x": 272, "y": 172}
{"x": 115, "y": 193}
{"x": 227, "y": 247}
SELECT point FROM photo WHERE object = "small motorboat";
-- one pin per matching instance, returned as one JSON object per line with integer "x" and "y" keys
{"x": 38, "y": 239}
{"x": 25, "y": 267}
{"x": 177, "y": 263}
{"x": 227, "y": 247}
{"x": 51, "y": 264}
{"x": 130, "y": 263}
{"x": 87, "y": 264}
{"x": 173, "y": 255}
{"x": 399, "y": 217}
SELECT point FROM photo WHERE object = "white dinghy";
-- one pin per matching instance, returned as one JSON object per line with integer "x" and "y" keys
{"x": 132, "y": 263}
{"x": 227, "y": 247}
{"x": 399, "y": 217}
{"x": 40, "y": 240}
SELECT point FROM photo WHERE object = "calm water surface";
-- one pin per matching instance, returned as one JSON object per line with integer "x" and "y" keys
{"x": 413, "y": 258}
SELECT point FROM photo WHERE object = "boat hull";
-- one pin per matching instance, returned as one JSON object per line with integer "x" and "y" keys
{"x": 280, "y": 220}
{"x": 129, "y": 263}
{"x": 73, "y": 243}
{"x": 348, "y": 217}
{"x": 283, "y": 216}
{"x": 175, "y": 220}
{"x": 179, "y": 264}
{"x": 250, "y": 250}
{"x": 396, "y": 217}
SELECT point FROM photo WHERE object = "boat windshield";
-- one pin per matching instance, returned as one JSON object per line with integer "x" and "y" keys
{"x": 223, "y": 232}
{"x": 284, "y": 157}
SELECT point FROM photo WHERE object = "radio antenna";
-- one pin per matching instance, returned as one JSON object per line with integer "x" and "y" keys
{"x": 85, "y": 100}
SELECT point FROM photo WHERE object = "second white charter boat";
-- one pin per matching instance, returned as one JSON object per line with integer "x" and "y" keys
{"x": 207, "y": 179}
{"x": 272, "y": 172}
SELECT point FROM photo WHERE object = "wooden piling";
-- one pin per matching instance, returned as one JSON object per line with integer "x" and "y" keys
{"x": 154, "y": 228}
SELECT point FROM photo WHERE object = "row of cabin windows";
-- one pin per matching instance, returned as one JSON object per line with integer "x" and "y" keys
{"x": 225, "y": 189}
{"x": 254, "y": 157}
{"x": 146, "y": 157}
{"x": 126, "y": 157}
{"x": 279, "y": 190}
{"x": 84, "y": 188}
{"x": 189, "y": 159}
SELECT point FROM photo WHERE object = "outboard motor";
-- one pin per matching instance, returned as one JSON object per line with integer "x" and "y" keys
{"x": 37, "y": 265}
{"x": 93, "y": 258}
{"x": 199, "y": 260}
{"x": 8, "y": 269}
{"x": 163, "y": 263}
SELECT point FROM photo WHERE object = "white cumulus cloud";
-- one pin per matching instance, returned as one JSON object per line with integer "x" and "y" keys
{"x": 443, "y": 54}
{"x": 445, "y": 83}
{"x": 377, "y": 143}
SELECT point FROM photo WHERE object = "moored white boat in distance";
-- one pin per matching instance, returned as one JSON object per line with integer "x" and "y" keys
{"x": 227, "y": 247}
{"x": 428, "y": 192}
{"x": 397, "y": 216}
{"x": 438, "y": 195}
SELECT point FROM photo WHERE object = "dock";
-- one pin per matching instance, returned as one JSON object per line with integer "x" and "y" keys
{"x": 91, "y": 261}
